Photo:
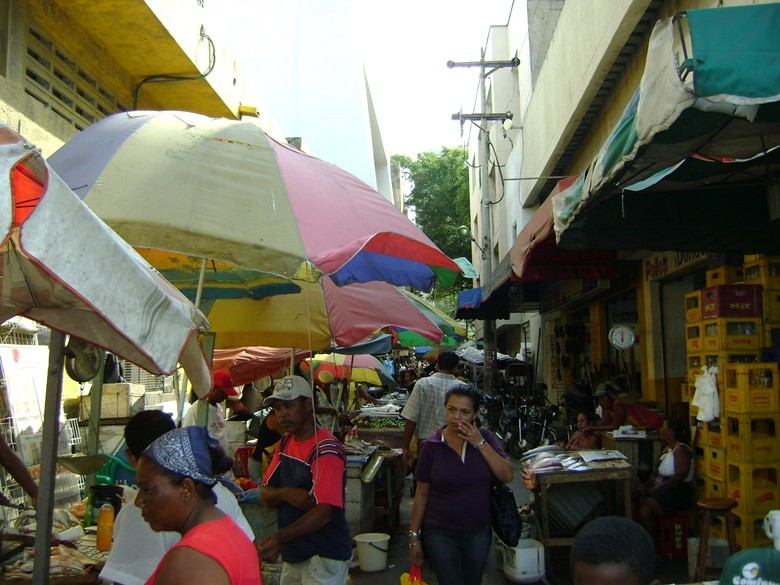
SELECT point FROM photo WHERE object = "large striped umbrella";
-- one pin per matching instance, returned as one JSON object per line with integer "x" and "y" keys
{"x": 224, "y": 191}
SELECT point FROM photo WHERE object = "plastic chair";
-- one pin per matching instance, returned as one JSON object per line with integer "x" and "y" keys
{"x": 242, "y": 455}
{"x": 114, "y": 470}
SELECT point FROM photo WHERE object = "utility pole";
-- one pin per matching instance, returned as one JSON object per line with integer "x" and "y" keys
{"x": 486, "y": 266}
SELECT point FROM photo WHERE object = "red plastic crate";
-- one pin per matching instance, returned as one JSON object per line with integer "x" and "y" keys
{"x": 672, "y": 541}
{"x": 731, "y": 300}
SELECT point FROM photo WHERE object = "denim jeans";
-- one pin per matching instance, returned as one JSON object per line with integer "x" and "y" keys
{"x": 458, "y": 557}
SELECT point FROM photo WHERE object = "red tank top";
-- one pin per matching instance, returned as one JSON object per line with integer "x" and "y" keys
{"x": 238, "y": 558}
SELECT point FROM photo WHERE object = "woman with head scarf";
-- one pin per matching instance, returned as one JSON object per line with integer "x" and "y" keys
{"x": 175, "y": 475}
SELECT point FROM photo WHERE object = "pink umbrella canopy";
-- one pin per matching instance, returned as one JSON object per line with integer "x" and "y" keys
{"x": 247, "y": 364}
{"x": 225, "y": 191}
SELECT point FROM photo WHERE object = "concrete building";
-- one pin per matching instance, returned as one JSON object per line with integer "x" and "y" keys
{"x": 581, "y": 64}
{"x": 66, "y": 64}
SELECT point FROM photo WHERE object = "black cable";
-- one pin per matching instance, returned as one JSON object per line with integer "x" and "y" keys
{"x": 172, "y": 78}
{"x": 500, "y": 174}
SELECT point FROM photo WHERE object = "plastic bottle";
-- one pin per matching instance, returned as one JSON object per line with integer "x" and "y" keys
{"x": 105, "y": 527}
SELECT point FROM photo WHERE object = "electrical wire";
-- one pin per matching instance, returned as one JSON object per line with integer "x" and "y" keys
{"x": 166, "y": 78}
{"x": 500, "y": 174}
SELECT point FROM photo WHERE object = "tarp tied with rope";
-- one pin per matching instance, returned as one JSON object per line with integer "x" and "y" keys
{"x": 692, "y": 162}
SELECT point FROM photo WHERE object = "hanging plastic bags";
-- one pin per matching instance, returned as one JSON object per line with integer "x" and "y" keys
{"x": 706, "y": 395}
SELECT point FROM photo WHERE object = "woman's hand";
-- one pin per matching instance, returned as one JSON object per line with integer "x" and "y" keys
{"x": 469, "y": 432}
{"x": 416, "y": 553}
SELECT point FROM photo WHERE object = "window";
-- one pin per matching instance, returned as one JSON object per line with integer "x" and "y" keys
{"x": 62, "y": 86}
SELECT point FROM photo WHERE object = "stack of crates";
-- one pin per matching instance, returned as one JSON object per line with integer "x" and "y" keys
{"x": 737, "y": 455}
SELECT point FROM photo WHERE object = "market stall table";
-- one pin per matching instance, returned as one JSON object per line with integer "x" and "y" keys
{"x": 633, "y": 448}
{"x": 617, "y": 472}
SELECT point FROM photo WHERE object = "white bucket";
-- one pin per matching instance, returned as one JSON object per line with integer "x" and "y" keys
{"x": 525, "y": 562}
{"x": 372, "y": 550}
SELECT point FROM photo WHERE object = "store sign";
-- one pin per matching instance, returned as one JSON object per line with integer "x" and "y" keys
{"x": 667, "y": 263}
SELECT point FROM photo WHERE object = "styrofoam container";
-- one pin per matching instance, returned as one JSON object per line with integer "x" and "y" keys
{"x": 525, "y": 562}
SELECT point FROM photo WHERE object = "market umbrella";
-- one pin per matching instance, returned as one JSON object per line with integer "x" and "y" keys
{"x": 452, "y": 331}
{"x": 355, "y": 368}
{"x": 223, "y": 190}
{"x": 63, "y": 267}
{"x": 247, "y": 364}
{"x": 321, "y": 315}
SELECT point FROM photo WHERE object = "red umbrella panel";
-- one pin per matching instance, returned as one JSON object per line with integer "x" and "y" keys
{"x": 247, "y": 364}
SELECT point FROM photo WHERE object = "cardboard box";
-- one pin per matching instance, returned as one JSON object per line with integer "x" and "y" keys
{"x": 118, "y": 401}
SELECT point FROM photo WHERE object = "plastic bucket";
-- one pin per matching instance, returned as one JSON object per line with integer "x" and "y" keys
{"x": 372, "y": 550}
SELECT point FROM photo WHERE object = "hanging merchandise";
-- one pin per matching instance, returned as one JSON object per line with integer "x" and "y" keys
{"x": 706, "y": 395}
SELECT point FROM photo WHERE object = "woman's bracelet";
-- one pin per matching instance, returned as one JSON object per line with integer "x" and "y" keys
{"x": 413, "y": 544}
{"x": 479, "y": 445}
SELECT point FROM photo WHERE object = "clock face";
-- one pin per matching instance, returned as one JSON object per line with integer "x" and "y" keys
{"x": 621, "y": 337}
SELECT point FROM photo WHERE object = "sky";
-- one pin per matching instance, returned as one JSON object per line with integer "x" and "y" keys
{"x": 414, "y": 92}
{"x": 406, "y": 46}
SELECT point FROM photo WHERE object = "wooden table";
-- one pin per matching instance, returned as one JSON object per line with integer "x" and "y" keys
{"x": 618, "y": 472}
{"x": 630, "y": 447}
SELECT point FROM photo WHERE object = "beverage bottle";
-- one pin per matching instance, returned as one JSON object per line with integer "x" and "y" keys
{"x": 105, "y": 527}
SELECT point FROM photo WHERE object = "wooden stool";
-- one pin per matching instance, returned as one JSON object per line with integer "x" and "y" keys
{"x": 714, "y": 507}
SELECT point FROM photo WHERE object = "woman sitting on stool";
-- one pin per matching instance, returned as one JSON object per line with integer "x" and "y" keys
{"x": 669, "y": 489}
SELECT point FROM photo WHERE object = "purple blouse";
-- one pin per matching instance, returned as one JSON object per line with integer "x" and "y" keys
{"x": 459, "y": 493}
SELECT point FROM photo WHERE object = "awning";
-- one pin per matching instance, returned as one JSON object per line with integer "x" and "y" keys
{"x": 472, "y": 306}
{"x": 536, "y": 256}
{"x": 694, "y": 150}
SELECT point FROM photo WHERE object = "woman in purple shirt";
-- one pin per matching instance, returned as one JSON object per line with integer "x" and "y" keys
{"x": 452, "y": 503}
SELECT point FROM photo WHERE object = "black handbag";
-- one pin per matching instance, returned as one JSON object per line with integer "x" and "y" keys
{"x": 505, "y": 518}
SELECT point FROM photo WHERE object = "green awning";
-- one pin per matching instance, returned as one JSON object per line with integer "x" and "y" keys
{"x": 702, "y": 128}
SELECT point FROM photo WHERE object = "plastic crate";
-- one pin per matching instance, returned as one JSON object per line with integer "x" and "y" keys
{"x": 672, "y": 538}
{"x": 731, "y": 300}
{"x": 765, "y": 271}
{"x": 725, "y": 333}
{"x": 771, "y": 339}
{"x": 753, "y": 485}
{"x": 693, "y": 306}
{"x": 771, "y": 303}
{"x": 724, "y": 275}
{"x": 693, "y": 337}
{"x": 714, "y": 488}
{"x": 751, "y": 437}
{"x": 750, "y": 530}
{"x": 699, "y": 464}
{"x": 713, "y": 435}
{"x": 715, "y": 463}
{"x": 751, "y": 388}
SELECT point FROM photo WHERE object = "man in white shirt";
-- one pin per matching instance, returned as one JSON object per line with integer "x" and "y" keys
{"x": 137, "y": 549}
{"x": 207, "y": 412}
{"x": 424, "y": 409}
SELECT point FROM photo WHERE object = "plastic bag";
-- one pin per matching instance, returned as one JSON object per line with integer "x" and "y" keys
{"x": 413, "y": 577}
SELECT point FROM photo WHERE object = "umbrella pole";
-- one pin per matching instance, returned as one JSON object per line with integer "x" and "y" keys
{"x": 201, "y": 279}
{"x": 51, "y": 426}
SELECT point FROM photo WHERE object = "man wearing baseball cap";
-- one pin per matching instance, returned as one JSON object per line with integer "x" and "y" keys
{"x": 207, "y": 412}
{"x": 305, "y": 482}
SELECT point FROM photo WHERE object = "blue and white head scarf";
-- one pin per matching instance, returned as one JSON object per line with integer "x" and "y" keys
{"x": 185, "y": 451}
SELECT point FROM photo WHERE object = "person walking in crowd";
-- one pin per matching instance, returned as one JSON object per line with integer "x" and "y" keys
{"x": 137, "y": 549}
{"x": 175, "y": 477}
{"x": 582, "y": 439}
{"x": 669, "y": 489}
{"x": 612, "y": 549}
{"x": 424, "y": 409}
{"x": 451, "y": 509}
{"x": 207, "y": 412}
{"x": 325, "y": 406}
{"x": 408, "y": 379}
{"x": 306, "y": 483}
